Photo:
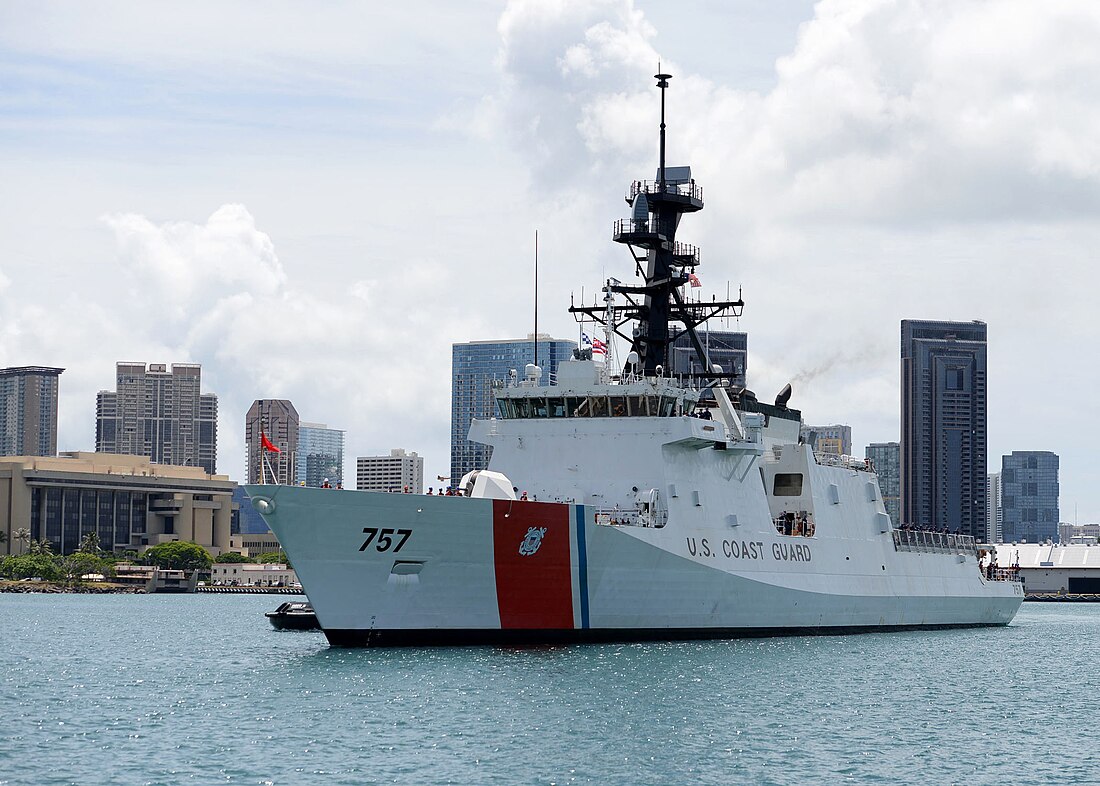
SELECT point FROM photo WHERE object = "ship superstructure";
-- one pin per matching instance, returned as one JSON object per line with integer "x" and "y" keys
{"x": 624, "y": 503}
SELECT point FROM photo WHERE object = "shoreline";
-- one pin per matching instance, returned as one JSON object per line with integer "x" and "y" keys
{"x": 59, "y": 588}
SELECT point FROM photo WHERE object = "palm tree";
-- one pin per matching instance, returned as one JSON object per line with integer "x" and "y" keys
{"x": 23, "y": 535}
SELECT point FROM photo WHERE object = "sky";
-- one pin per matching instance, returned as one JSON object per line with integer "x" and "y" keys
{"x": 314, "y": 200}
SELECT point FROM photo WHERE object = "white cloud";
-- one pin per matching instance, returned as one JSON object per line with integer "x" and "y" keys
{"x": 913, "y": 159}
{"x": 180, "y": 263}
{"x": 906, "y": 159}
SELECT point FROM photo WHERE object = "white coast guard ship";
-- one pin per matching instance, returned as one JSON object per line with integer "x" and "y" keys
{"x": 658, "y": 507}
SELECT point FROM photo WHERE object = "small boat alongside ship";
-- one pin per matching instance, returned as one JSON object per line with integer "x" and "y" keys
{"x": 293, "y": 615}
{"x": 656, "y": 506}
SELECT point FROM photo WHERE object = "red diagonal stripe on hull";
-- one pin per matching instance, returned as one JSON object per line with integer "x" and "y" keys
{"x": 533, "y": 591}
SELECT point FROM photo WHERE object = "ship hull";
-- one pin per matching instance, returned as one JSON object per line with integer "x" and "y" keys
{"x": 398, "y": 569}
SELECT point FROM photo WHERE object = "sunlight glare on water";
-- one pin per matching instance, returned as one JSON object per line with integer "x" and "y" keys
{"x": 156, "y": 689}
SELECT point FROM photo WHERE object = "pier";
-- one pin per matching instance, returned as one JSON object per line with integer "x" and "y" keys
{"x": 251, "y": 590}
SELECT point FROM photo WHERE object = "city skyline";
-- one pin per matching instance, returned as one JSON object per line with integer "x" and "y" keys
{"x": 209, "y": 193}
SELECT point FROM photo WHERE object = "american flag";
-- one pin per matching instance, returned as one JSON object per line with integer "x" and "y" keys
{"x": 694, "y": 280}
{"x": 598, "y": 347}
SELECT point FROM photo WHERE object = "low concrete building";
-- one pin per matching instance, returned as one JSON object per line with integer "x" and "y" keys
{"x": 128, "y": 501}
{"x": 244, "y": 574}
{"x": 254, "y": 544}
{"x": 1053, "y": 568}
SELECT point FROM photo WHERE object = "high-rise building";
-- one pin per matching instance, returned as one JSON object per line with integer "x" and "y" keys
{"x": 886, "y": 459}
{"x": 728, "y": 349}
{"x": 28, "y": 411}
{"x": 320, "y": 455}
{"x": 159, "y": 414}
{"x": 1029, "y": 496}
{"x": 994, "y": 531}
{"x": 943, "y": 425}
{"x": 835, "y": 439}
{"x": 394, "y": 472}
{"x": 276, "y": 419}
{"x": 475, "y": 365}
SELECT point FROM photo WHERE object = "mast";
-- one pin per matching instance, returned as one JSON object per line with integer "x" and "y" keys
{"x": 656, "y": 306}
{"x": 535, "y": 335}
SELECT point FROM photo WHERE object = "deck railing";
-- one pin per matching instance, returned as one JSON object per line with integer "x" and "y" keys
{"x": 942, "y": 542}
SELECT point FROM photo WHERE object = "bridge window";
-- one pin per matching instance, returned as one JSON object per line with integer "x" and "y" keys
{"x": 787, "y": 484}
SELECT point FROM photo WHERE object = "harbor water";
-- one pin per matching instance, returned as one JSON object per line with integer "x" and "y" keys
{"x": 155, "y": 689}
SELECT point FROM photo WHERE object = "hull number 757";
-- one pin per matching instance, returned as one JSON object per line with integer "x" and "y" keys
{"x": 385, "y": 538}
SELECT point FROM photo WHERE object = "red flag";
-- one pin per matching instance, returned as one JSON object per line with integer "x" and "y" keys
{"x": 694, "y": 279}
{"x": 268, "y": 444}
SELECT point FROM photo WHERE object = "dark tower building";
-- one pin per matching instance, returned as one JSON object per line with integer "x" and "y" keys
{"x": 943, "y": 425}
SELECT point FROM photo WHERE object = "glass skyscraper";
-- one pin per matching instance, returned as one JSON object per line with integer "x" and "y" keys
{"x": 474, "y": 367}
{"x": 886, "y": 459}
{"x": 320, "y": 454}
{"x": 943, "y": 426}
{"x": 1029, "y": 496}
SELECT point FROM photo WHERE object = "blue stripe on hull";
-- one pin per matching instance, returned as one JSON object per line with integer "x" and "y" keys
{"x": 582, "y": 564}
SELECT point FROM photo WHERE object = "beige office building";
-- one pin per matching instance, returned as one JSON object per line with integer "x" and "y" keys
{"x": 253, "y": 544}
{"x": 129, "y": 502}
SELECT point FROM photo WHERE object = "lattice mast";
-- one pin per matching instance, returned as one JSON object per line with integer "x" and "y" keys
{"x": 657, "y": 308}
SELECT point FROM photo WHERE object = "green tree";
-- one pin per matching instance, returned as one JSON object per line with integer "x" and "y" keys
{"x": 39, "y": 548}
{"x": 30, "y": 566}
{"x": 22, "y": 535}
{"x": 74, "y": 566}
{"x": 179, "y": 555}
{"x": 89, "y": 544}
{"x": 269, "y": 557}
{"x": 231, "y": 556}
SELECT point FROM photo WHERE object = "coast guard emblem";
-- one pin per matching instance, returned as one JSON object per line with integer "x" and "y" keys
{"x": 532, "y": 541}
